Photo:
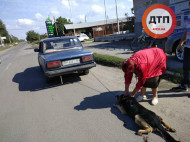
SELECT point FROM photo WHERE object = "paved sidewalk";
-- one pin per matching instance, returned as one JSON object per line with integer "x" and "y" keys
{"x": 122, "y": 49}
{"x": 118, "y": 53}
{"x": 172, "y": 106}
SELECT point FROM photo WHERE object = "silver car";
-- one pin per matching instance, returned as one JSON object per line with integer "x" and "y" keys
{"x": 172, "y": 43}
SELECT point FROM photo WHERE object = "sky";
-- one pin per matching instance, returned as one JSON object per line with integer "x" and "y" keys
{"x": 20, "y": 16}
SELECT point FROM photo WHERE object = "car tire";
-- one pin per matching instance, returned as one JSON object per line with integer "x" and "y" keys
{"x": 179, "y": 55}
{"x": 85, "y": 72}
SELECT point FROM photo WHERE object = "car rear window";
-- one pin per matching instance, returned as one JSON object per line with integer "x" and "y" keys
{"x": 61, "y": 44}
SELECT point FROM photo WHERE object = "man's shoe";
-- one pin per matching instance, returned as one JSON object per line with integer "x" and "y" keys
{"x": 154, "y": 101}
{"x": 140, "y": 98}
{"x": 180, "y": 88}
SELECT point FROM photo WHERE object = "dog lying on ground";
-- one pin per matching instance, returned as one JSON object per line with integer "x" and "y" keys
{"x": 143, "y": 117}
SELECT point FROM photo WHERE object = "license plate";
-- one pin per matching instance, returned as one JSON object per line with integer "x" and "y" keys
{"x": 70, "y": 62}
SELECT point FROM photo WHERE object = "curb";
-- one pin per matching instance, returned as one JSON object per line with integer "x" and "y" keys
{"x": 173, "y": 73}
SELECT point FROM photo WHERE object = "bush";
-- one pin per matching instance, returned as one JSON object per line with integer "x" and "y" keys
{"x": 107, "y": 60}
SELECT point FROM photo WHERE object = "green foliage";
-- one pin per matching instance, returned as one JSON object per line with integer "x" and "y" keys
{"x": 129, "y": 25}
{"x": 107, "y": 60}
{"x": 32, "y": 36}
{"x": 4, "y": 32}
{"x": 14, "y": 39}
{"x": 174, "y": 79}
{"x": 7, "y": 47}
{"x": 1, "y": 49}
{"x": 43, "y": 36}
{"x": 60, "y": 22}
{"x": 82, "y": 30}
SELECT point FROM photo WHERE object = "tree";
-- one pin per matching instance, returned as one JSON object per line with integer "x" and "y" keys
{"x": 60, "y": 22}
{"x": 129, "y": 25}
{"x": 4, "y": 32}
{"x": 43, "y": 36}
{"x": 32, "y": 36}
{"x": 14, "y": 39}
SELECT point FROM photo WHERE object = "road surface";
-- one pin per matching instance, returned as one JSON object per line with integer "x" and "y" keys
{"x": 80, "y": 110}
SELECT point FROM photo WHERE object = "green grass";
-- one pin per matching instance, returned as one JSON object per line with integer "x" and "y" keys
{"x": 7, "y": 47}
{"x": 91, "y": 39}
{"x": 113, "y": 61}
{"x": 172, "y": 78}
{"x": 176, "y": 70}
{"x": 4, "y": 48}
{"x": 107, "y": 60}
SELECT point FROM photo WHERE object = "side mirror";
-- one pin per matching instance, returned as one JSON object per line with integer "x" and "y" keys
{"x": 36, "y": 50}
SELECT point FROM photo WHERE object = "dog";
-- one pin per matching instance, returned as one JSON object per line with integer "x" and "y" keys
{"x": 143, "y": 117}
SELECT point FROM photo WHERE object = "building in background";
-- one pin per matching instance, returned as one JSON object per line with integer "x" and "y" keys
{"x": 2, "y": 41}
{"x": 139, "y": 7}
{"x": 99, "y": 28}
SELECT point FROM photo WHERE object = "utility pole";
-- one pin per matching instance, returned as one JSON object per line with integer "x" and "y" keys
{"x": 117, "y": 17}
{"x": 71, "y": 16}
{"x": 55, "y": 26}
{"x": 10, "y": 39}
{"x": 0, "y": 39}
{"x": 105, "y": 16}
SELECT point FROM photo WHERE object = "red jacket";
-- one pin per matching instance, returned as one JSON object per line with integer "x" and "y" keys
{"x": 150, "y": 62}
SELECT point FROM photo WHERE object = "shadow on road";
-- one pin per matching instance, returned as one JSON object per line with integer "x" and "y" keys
{"x": 164, "y": 94}
{"x": 106, "y": 100}
{"x": 168, "y": 94}
{"x": 33, "y": 79}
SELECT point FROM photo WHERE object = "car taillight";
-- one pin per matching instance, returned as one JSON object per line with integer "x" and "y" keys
{"x": 87, "y": 58}
{"x": 53, "y": 64}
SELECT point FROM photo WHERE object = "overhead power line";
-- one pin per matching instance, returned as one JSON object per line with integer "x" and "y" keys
{"x": 27, "y": 29}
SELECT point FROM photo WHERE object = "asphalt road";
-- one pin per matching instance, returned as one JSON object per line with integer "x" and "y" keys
{"x": 80, "y": 110}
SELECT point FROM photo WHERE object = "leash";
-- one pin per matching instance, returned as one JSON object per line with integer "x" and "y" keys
{"x": 101, "y": 83}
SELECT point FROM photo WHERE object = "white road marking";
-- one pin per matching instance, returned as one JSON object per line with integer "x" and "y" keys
{"x": 8, "y": 66}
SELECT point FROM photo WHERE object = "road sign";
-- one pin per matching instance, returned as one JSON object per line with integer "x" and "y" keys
{"x": 49, "y": 28}
{"x": 159, "y": 21}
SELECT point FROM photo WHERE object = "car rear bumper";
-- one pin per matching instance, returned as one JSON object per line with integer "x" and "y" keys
{"x": 69, "y": 70}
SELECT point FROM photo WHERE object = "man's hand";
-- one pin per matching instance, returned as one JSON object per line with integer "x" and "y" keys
{"x": 126, "y": 92}
{"x": 134, "y": 92}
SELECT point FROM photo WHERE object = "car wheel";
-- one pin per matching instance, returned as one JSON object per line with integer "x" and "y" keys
{"x": 85, "y": 72}
{"x": 179, "y": 55}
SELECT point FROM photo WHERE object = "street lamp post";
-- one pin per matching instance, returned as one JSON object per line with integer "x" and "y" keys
{"x": 117, "y": 17}
{"x": 71, "y": 16}
{"x": 105, "y": 16}
{"x": 0, "y": 40}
